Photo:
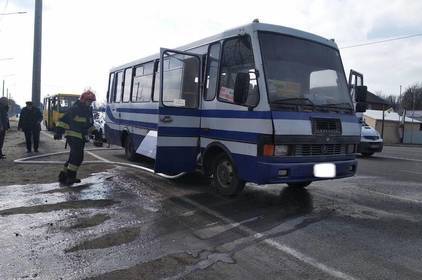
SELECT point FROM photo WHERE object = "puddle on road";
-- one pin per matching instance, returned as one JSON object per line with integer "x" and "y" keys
{"x": 77, "y": 188}
{"x": 123, "y": 236}
{"x": 79, "y": 204}
{"x": 90, "y": 221}
{"x": 161, "y": 268}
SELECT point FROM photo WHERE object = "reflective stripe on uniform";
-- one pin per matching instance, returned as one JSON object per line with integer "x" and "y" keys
{"x": 72, "y": 133}
{"x": 72, "y": 167}
{"x": 62, "y": 125}
{"x": 79, "y": 119}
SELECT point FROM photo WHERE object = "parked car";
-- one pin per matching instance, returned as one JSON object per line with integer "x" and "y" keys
{"x": 370, "y": 141}
{"x": 99, "y": 121}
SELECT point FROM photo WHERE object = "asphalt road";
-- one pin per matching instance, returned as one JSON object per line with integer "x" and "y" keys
{"x": 126, "y": 223}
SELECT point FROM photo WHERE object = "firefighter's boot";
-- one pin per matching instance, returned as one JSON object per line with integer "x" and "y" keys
{"x": 71, "y": 178}
{"x": 62, "y": 176}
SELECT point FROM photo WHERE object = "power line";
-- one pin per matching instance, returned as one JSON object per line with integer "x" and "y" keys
{"x": 382, "y": 41}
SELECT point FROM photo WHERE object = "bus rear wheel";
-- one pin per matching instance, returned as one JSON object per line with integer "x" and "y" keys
{"x": 303, "y": 184}
{"x": 225, "y": 178}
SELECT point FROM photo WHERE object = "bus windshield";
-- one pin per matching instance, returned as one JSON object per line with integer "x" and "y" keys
{"x": 303, "y": 74}
{"x": 65, "y": 102}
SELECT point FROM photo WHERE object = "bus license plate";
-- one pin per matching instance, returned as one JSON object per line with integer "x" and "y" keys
{"x": 325, "y": 170}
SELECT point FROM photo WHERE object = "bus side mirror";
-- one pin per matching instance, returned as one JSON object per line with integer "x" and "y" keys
{"x": 361, "y": 107}
{"x": 241, "y": 88}
{"x": 360, "y": 93}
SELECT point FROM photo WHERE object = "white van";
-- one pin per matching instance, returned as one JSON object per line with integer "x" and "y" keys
{"x": 370, "y": 141}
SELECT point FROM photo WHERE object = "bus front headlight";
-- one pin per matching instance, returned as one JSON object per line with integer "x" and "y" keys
{"x": 281, "y": 150}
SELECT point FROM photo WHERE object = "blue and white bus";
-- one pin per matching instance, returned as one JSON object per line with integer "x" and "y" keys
{"x": 258, "y": 103}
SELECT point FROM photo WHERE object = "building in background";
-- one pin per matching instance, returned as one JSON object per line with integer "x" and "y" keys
{"x": 375, "y": 102}
{"x": 417, "y": 115}
{"x": 393, "y": 127}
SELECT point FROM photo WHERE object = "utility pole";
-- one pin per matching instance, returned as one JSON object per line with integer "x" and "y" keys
{"x": 403, "y": 120}
{"x": 36, "y": 68}
{"x": 2, "y": 94}
{"x": 413, "y": 115}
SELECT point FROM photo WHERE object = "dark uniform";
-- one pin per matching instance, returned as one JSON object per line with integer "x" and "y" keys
{"x": 30, "y": 122}
{"x": 4, "y": 122}
{"x": 76, "y": 123}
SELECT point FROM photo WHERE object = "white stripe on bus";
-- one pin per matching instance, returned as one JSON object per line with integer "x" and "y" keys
{"x": 234, "y": 147}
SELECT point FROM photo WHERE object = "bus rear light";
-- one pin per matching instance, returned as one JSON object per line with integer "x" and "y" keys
{"x": 268, "y": 150}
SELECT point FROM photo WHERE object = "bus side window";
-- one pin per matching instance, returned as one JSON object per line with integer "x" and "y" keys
{"x": 211, "y": 78}
{"x": 110, "y": 91}
{"x": 237, "y": 58}
{"x": 127, "y": 85}
{"x": 118, "y": 91}
{"x": 142, "y": 82}
{"x": 181, "y": 80}
{"x": 156, "y": 93}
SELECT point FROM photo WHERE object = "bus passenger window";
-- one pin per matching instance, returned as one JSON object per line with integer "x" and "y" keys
{"x": 110, "y": 91}
{"x": 118, "y": 92}
{"x": 238, "y": 58}
{"x": 213, "y": 62}
{"x": 156, "y": 93}
{"x": 181, "y": 81}
{"x": 142, "y": 83}
{"x": 127, "y": 85}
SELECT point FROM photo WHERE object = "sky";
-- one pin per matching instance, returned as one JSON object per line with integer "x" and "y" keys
{"x": 83, "y": 39}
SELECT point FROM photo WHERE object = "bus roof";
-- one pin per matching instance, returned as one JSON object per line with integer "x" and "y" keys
{"x": 249, "y": 28}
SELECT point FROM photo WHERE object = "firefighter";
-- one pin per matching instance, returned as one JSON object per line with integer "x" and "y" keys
{"x": 75, "y": 124}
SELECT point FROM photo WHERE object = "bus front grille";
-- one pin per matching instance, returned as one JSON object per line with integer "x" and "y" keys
{"x": 326, "y": 127}
{"x": 319, "y": 149}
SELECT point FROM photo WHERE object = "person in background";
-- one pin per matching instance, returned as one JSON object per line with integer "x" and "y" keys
{"x": 75, "y": 124}
{"x": 4, "y": 122}
{"x": 30, "y": 122}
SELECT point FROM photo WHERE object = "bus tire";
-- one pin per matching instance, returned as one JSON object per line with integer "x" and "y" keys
{"x": 224, "y": 176}
{"x": 367, "y": 154}
{"x": 303, "y": 184}
{"x": 130, "y": 151}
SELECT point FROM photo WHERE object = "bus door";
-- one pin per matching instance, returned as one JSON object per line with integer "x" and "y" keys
{"x": 178, "y": 114}
{"x": 47, "y": 115}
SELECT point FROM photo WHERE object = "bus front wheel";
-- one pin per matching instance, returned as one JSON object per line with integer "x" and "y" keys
{"x": 225, "y": 178}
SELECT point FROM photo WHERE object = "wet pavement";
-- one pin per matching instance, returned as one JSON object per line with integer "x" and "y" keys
{"x": 124, "y": 223}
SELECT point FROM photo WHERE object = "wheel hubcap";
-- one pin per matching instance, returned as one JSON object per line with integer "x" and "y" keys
{"x": 225, "y": 173}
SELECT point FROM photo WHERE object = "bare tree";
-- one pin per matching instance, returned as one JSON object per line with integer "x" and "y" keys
{"x": 412, "y": 97}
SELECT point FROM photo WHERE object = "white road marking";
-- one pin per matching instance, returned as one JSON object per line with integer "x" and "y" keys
{"x": 401, "y": 158}
{"x": 390, "y": 195}
{"x": 272, "y": 243}
{"x": 412, "y": 172}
